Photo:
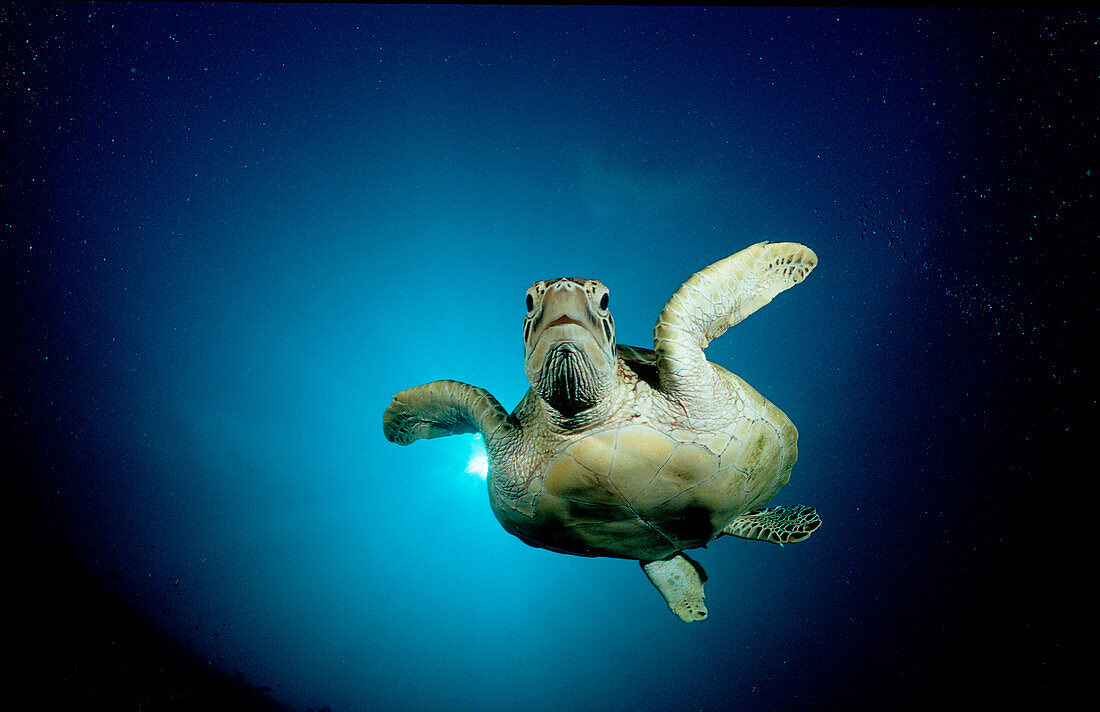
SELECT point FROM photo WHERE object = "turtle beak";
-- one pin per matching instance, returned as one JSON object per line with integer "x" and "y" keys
{"x": 564, "y": 319}
{"x": 565, "y": 304}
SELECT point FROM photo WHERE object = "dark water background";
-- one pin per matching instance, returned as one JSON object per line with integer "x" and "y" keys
{"x": 231, "y": 233}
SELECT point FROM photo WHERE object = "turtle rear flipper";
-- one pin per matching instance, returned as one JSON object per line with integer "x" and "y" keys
{"x": 780, "y": 525}
{"x": 680, "y": 580}
{"x": 441, "y": 408}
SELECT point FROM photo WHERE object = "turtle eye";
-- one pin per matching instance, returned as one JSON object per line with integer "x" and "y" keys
{"x": 604, "y": 300}
{"x": 530, "y": 304}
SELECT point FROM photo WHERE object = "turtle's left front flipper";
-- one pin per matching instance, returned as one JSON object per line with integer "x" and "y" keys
{"x": 779, "y": 525}
{"x": 441, "y": 408}
{"x": 716, "y": 298}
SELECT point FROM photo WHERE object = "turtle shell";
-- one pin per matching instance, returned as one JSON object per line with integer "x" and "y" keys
{"x": 642, "y": 491}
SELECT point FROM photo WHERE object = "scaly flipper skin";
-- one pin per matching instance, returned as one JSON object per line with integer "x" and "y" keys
{"x": 779, "y": 525}
{"x": 441, "y": 408}
{"x": 680, "y": 580}
{"x": 713, "y": 300}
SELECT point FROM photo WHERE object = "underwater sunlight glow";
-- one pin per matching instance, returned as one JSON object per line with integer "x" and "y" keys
{"x": 478, "y": 464}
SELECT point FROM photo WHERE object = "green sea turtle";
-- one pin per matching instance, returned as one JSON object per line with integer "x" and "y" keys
{"x": 625, "y": 452}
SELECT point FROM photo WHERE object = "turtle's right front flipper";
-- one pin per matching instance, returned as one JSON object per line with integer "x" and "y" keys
{"x": 443, "y": 408}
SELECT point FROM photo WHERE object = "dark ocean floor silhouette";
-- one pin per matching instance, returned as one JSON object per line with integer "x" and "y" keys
{"x": 79, "y": 646}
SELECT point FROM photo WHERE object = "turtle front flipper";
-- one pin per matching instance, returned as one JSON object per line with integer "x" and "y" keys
{"x": 680, "y": 580}
{"x": 441, "y": 408}
{"x": 779, "y": 525}
{"x": 716, "y": 298}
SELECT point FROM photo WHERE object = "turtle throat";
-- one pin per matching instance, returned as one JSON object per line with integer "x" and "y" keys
{"x": 568, "y": 381}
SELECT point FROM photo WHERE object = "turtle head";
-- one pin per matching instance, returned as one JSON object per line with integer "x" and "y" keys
{"x": 569, "y": 343}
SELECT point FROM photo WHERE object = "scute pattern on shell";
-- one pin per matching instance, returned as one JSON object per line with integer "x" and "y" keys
{"x": 635, "y": 491}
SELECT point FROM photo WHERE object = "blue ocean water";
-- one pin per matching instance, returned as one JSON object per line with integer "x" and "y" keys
{"x": 233, "y": 232}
